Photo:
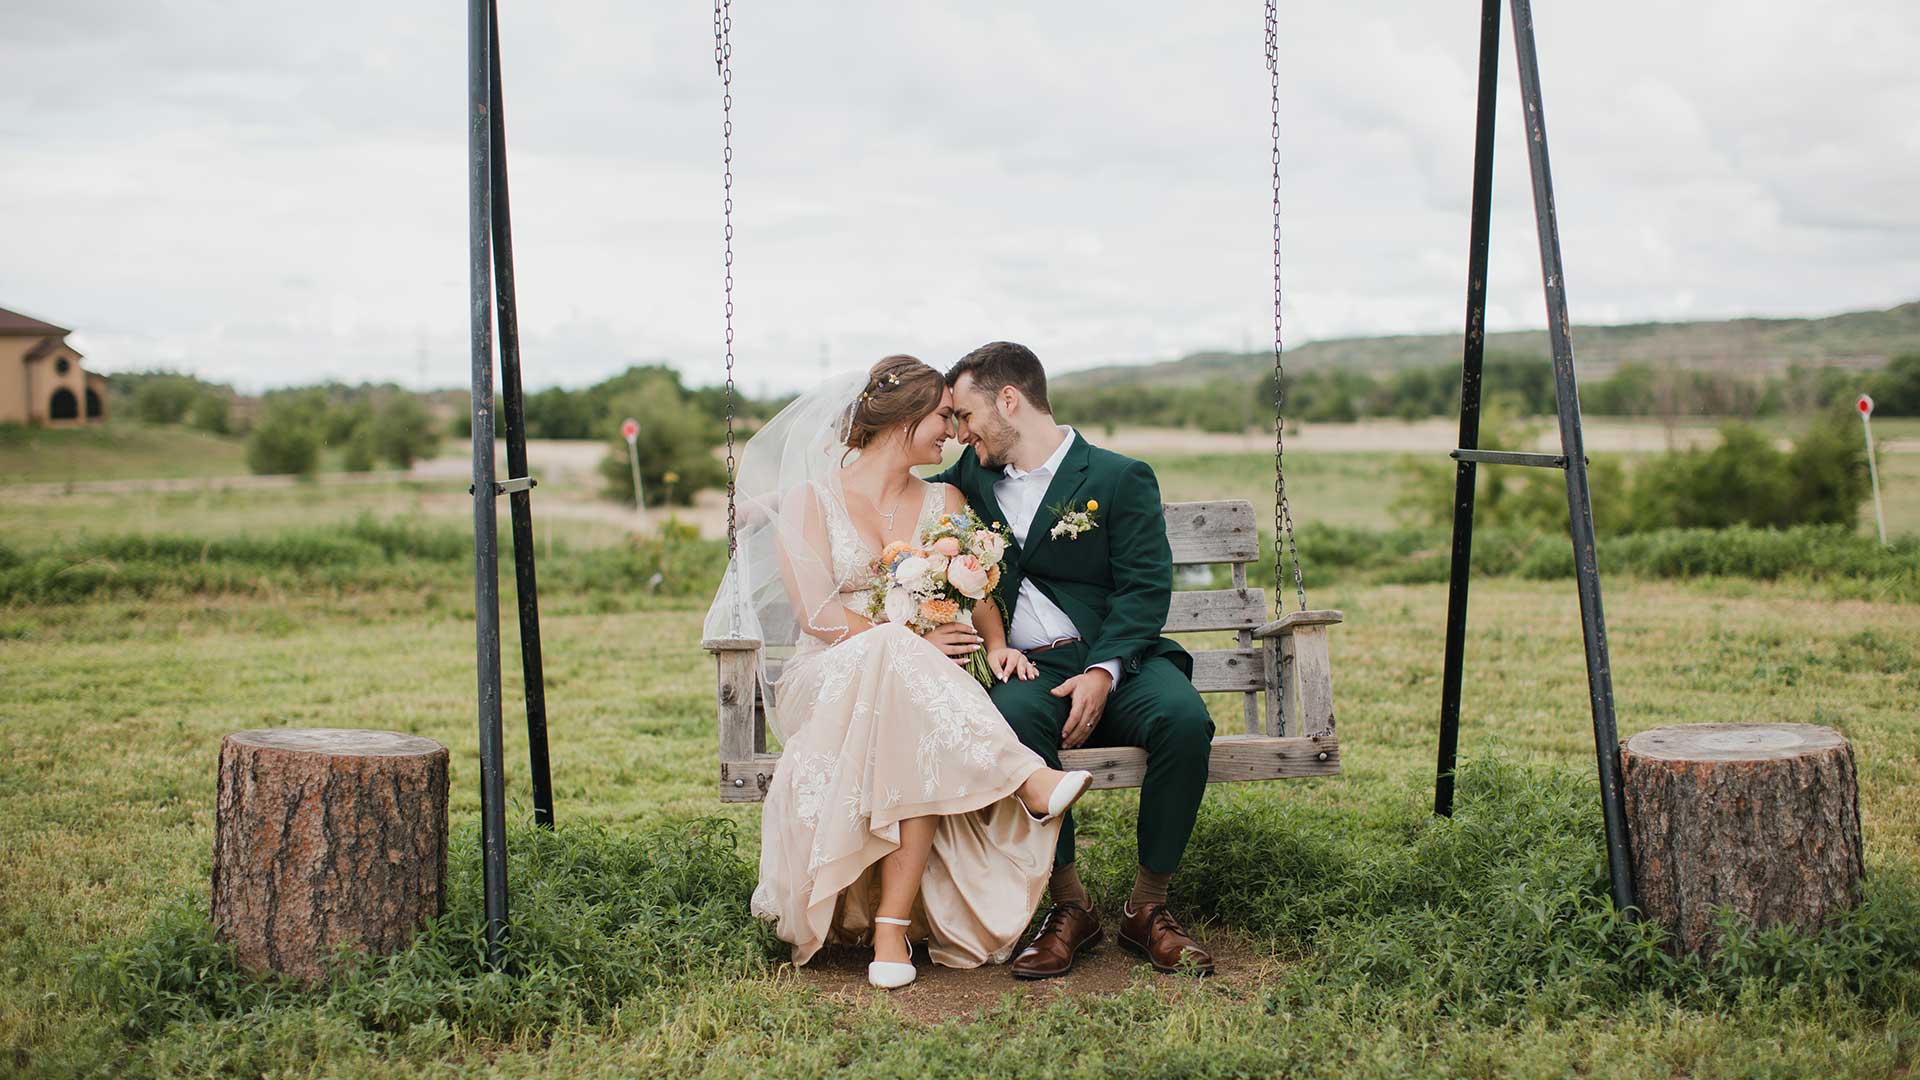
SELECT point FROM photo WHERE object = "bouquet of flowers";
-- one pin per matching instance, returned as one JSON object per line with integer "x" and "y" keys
{"x": 939, "y": 578}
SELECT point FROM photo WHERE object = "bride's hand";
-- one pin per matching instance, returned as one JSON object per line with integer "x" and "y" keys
{"x": 956, "y": 639}
{"x": 1008, "y": 664}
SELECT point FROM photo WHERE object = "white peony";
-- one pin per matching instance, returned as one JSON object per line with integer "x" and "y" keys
{"x": 911, "y": 570}
{"x": 989, "y": 546}
{"x": 900, "y": 605}
{"x": 937, "y": 565}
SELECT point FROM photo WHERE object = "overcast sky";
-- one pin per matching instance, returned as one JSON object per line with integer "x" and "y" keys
{"x": 273, "y": 193}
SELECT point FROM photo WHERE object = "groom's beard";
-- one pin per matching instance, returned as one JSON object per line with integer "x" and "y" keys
{"x": 995, "y": 448}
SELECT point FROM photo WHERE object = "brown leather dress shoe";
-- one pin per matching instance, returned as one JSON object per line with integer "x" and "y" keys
{"x": 1154, "y": 933}
{"x": 1063, "y": 933}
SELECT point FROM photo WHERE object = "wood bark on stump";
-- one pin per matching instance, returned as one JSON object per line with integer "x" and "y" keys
{"x": 1760, "y": 818}
{"x": 324, "y": 836}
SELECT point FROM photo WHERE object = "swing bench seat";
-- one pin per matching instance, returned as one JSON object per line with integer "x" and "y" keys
{"x": 1280, "y": 668}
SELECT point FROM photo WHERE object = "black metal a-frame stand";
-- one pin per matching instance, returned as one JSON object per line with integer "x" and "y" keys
{"x": 1572, "y": 457}
{"x": 490, "y": 248}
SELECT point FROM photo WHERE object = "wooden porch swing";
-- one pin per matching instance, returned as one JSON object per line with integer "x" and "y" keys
{"x": 1283, "y": 659}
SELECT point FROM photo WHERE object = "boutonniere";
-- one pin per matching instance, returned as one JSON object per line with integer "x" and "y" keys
{"x": 1073, "y": 522}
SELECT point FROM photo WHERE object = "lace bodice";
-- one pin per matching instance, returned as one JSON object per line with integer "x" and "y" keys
{"x": 852, "y": 559}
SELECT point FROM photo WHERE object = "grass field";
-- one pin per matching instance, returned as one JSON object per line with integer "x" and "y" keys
{"x": 121, "y": 449}
{"x": 1373, "y": 941}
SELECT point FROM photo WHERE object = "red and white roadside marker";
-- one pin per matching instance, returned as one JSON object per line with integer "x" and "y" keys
{"x": 630, "y": 431}
{"x": 1864, "y": 404}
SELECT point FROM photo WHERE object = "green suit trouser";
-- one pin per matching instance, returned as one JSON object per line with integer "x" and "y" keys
{"x": 1156, "y": 709}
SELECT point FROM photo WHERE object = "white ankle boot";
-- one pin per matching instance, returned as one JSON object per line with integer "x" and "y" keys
{"x": 886, "y": 974}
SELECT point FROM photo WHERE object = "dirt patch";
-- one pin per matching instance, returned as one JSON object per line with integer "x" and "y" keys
{"x": 945, "y": 993}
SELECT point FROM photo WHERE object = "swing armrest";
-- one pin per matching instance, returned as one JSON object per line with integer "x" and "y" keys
{"x": 726, "y": 645}
{"x": 1285, "y": 625}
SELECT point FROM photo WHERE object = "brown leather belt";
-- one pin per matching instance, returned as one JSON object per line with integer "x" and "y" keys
{"x": 1054, "y": 644}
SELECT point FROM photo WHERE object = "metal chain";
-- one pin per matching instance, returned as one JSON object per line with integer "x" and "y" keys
{"x": 1282, "y": 513}
{"x": 723, "y": 63}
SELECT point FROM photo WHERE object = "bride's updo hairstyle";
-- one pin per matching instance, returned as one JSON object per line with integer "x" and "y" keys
{"x": 900, "y": 390}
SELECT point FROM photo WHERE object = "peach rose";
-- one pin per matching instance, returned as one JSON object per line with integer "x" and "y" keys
{"x": 968, "y": 576}
{"x": 947, "y": 546}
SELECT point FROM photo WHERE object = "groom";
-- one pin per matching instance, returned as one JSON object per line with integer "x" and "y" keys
{"x": 1086, "y": 590}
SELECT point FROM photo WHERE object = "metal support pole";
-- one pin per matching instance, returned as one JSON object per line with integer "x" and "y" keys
{"x": 1593, "y": 620}
{"x": 526, "y": 590}
{"x": 486, "y": 555}
{"x": 1470, "y": 364}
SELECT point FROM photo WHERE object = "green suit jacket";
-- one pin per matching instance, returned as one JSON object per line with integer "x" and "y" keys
{"x": 1114, "y": 582}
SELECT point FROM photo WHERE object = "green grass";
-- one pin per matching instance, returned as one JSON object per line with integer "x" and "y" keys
{"x": 1402, "y": 946}
{"x": 106, "y": 797}
{"x": 117, "y": 450}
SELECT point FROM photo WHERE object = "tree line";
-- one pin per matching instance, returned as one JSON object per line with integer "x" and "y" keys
{"x": 1336, "y": 395}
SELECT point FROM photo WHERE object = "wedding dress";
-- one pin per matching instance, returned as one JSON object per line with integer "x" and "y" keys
{"x": 879, "y": 727}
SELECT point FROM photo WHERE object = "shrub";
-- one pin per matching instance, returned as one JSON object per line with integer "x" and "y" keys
{"x": 165, "y": 399}
{"x": 1829, "y": 466}
{"x": 286, "y": 436}
{"x": 1896, "y": 391}
{"x": 361, "y": 452}
{"x": 212, "y": 412}
{"x": 368, "y": 553}
{"x": 673, "y": 439}
{"x": 1743, "y": 480}
{"x": 402, "y": 432}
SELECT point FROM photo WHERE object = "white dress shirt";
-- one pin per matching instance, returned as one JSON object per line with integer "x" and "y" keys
{"x": 1037, "y": 620}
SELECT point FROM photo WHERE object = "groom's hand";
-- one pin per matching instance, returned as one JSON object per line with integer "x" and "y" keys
{"x": 1089, "y": 691}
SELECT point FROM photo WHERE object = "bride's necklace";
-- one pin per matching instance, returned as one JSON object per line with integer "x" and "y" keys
{"x": 886, "y": 516}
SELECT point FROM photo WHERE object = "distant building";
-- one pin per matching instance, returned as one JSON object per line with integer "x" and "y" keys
{"x": 41, "y": 380}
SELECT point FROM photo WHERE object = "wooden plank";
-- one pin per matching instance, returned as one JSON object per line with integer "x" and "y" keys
{"x": 1228, "y": 670}
{"x": 1251, "y": 704}
{"x": 736, "y": 696}
{"x": 1292, "y": 619}
{"x": 1313, "y": 674}
{"x": 1212, "y": 532}
{"x": 746, "y": 779}
{"x": 730, "y": 645}
{"x": 1290, "y": 686}
{"x": 1235, "y": 758}
{"x": 1215, "y": 609}
{"x": 1279, "y": 689}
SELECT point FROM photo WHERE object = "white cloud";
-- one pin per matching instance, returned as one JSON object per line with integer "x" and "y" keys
{"x": 266, "y": 197}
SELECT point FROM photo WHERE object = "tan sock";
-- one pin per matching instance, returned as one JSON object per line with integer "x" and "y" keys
{"x": 1065, "y": 887}
{"x": 1148, "y": 888}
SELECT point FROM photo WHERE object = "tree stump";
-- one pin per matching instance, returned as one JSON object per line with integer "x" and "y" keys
{"x": 1760, "y": 818}
{"x": 324, "y": 836}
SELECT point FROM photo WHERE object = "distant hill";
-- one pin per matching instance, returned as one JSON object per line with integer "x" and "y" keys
{"x": 1862, "y": 339}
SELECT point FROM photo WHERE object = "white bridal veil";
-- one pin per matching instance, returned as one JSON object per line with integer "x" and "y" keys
{"x": 781, "y": 587}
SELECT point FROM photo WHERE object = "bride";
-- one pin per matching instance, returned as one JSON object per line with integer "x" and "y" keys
{"x": 903, "y": 808}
